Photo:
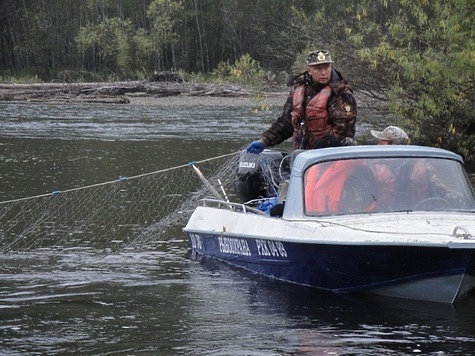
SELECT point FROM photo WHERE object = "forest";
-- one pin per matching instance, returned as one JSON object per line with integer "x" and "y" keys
{"x": 417, "y": 56}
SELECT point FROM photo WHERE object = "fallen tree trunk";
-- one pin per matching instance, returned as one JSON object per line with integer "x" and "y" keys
{"x": 114, "y": 92}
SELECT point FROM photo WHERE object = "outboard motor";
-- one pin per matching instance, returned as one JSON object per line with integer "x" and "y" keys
{"x": 259, "y": 175}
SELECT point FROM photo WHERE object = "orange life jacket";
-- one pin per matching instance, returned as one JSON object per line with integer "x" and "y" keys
{"x": 324, "y": 189}
{"x": 311, "y": 122}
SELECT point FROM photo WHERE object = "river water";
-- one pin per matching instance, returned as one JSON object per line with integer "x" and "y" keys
{"x": 158, "y": 300}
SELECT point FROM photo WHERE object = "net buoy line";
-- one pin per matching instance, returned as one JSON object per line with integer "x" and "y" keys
{"x": 126, "y": 212}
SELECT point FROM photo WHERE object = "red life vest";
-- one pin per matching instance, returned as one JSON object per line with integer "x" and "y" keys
{"x": 323, "y": 190}
{"x": 314, "y": 121}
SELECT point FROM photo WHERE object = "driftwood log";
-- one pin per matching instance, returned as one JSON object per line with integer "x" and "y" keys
{"x": 118, "y": 92}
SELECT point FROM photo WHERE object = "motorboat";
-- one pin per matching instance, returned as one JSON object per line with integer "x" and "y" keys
{"x": 391, "y": 220}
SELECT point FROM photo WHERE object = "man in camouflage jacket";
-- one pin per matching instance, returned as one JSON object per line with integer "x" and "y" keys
{"x": 320, "y": 111}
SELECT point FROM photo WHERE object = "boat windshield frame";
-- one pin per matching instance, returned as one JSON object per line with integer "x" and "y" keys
{"x": 386, "y": 184}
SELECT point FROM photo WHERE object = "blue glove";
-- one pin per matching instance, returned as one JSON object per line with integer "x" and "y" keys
{"x": 256, "y": 147}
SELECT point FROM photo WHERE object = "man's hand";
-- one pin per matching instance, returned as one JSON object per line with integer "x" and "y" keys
{"x": 256, "y": 147}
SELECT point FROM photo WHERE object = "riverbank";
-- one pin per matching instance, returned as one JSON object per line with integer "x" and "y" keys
{"x": 156, "y": 93}
{"x": 163, "y": 93}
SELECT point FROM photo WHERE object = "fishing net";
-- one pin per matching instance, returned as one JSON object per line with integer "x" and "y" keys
{"x": 132, "y": 212}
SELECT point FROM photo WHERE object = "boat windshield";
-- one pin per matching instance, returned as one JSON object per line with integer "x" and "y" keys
{"x": 387, "y": 185}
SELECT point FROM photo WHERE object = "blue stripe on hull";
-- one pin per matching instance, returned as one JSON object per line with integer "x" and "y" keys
{"x": 340, "y": 268}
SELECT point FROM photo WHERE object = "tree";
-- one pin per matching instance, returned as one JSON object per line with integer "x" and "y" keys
{"x": 428, "y": 53}
{"x": 164, "y": 16}
{"x": 111, "y": 42}
{"x": 418, "y": 55}
{"x": 37, "y": 37}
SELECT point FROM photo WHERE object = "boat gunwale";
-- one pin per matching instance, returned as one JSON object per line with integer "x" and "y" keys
{"x": 426, "y": 239}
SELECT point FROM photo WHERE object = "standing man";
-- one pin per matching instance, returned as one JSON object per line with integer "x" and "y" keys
{"x": 319, "y": 112}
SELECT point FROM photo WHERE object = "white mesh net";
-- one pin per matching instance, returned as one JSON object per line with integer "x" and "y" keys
{"x": 131, "y": 212}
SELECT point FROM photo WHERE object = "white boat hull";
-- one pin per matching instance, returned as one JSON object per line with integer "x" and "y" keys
{"x": 374, "y": 254}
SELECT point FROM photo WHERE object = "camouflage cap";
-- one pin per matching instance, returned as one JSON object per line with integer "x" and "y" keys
{"x": 318, "y": 57}
{"x": 394, "y": 134}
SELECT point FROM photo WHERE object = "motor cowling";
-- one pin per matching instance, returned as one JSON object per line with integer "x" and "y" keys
{"x": 259, "y": 175}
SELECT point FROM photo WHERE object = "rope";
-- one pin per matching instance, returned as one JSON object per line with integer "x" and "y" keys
{"x": 121, "y": 179}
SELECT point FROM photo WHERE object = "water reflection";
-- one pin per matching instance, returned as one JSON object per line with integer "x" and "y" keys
{"x": 292, "y": 319}
{"x": 162, "y": 302}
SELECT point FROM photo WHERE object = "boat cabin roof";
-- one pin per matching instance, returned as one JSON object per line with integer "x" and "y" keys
{"x": 377, "y": 178}
{"x": 308, "y": 157}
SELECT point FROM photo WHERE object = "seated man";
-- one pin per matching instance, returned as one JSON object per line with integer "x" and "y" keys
{"x": 425, "y": 189}
{"x": 386, "y": 180}
{"x": 384, "y": 172}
